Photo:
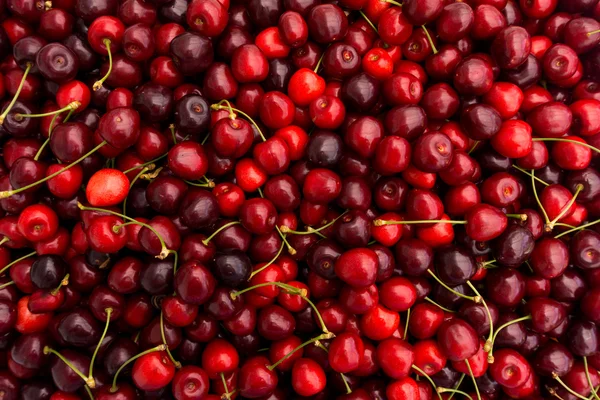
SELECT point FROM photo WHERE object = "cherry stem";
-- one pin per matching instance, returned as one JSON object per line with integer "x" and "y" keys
{"x": 215, "y": 233}
{"x": 160, "y": 347}
{"x": 175, "y": 260}
{"x": 490, "y": 338}
{"x": 419, "y": 370}
{"x": 108, "y": 312}
{"x": 322, "y": 336}
{"x": 89, "y": 392}
{"x": 447, "y": 390}
{"x": 144, "y": 164}
{"x": 162, "y": 334}
{"x": 269, "y": 263}
{"x": 143, "y": 171}
{"x": 74, "y": 105}
{"x": 406, "y": 324}
{"x": 309, "y": 229}
{"x": 320, "y": 61}
{"x": 289, "y": 288}
{"x": 529, "y": 173}
{"x": 485, "y": 264}
{"x": 290, "y": 249}
{"x": 312, "y": 305}
{"x": 17, "y": 93}
{"x": 148, "y": 176}
{"x": 348, "y": 389}
{"x": 7, "y": 284}
{"x": 49, "y": 350}
{"x": 7, "y": 193}
{"x": 554, "y": 394}
{"x": 382, "y": 222}
{"x": 473, "y": 378}
{"x": 4, "y": 240}
{"x": 589, "y": 378}
{"x": 209, "y": 184}
{"x": 429, "y": 39}
{"x": 7, "y": 266}
{"x": 567, "y": 388}
{"x": 437, "y": 305}
{"x": 579, "y": 228}
{"x": 475, "y": 299}
{"x": 218, "y": 106}
{"x": 597, "y": 150}
{"x": 227, "y": 394}
{"x": 593, "y": 32}
{"x": 472, "y": 149}
{"x": 537, "y": 198}
{"x": 522, "y": 217}
{"x": 98, "y": 84}
{"x": 368, "y": 21}
{"x": 164, "y": 253}
{"x": 393, "y": 2}
{"x": 549, "y": 226}
{"x": 460, "y": 381}
{"x": 491, "y": 346}
{"x": 173, "y": 136}
{"x": 64, "y": 282}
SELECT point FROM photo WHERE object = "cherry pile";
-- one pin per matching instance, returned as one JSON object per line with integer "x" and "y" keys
{"x": 299, "y": 199}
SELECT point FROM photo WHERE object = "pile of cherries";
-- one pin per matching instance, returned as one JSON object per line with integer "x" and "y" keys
{"x": 299, "y": 199}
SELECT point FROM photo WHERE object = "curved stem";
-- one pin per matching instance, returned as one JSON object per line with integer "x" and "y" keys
{"x": 597, "y": 150}
{"x": 427, "y": 299}
{"x": 209, "y": 184}
{"x": 164, "y": 253}
{"x": 429, "y": 39}
{"x": 348, "y": 389}
{"x": 579, "y": 228}
{"x": 48, "y": 350}
{"x": 487, "y": 310}
{"x": 74, "y": 105}
{"x": 393, "y": 2}
{"x": 64, "y": 282}
{"x": 145, "y": 164}
{"x": 589, "y": 378}
{"x": 473, "y": 378}
{"x": 227, "y": 394}
{"x": 143, "y": 171}
{"x": 98, "y": 84}
{"x": 290, "y": 249}
{"x": 530, "y": 174}
{"x": 537, "y": 199}
{"x": 17, "y": 93}
{"x": 7, "y": 193}
{"x": 91, "y": 374}
{"x": 310, "y": 230}
{"x": 258, "y": 271}
{"x": 4, "y": 240}
{"x": 549, "y": 226}
{"x": 567, "y": 388}
{"x": 160, "y": 347}
{"x": 509, "y": 323}
{"x": 323, "y": 326}
{"x": 10, "y": 264}
{"x": 218, "y": 106}
{"x": 288, "y": 355}
{"x": 464, "y": 296}
{"x": 7, "y": 284}
{"x": 446, "y": 390}
{"x": 175, "y": 260}
{"x": 162, "y": 335}
{"x": 382, "y": 222}
{"x": 289, "y": 288}
{"x": 435, "y": 388}
{"x": 215, "y": 233}
{"x": 89, "y": 392}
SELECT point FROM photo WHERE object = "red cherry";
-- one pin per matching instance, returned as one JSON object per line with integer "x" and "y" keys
{"x": 308, "y": 378}
{"x": 153, "y": 371}
{"x": 37, "y": 222}
{"x": 107, "y": 187}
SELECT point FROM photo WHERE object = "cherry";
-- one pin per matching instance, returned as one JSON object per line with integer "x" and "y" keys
{"x": 395, "y": 357}
{"x": 308, "y": 377}
{"x": 448, "y": 339}
{"x": 510, "y": 369}
{"x": 153, "y": 371}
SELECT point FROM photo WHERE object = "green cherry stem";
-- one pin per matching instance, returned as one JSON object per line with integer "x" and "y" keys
{"x": 429, "y": 39}
{"x": 164, "y": 253}
{"x": 4, "y": 240}
{"x": 446, "y": 390}
{"x": 218, "y": 106}
{"x": 7, "y": 193}
{"x": 215, "y": 233}
{"x": 473, "y": 378}
{"x": 164, "y": 340}
{"x": 7, "y": 266}
{"x": 475, "y": 299}
{"x": 74, "y": 105}
{"x": 258, "y": 271}
{"x": 382, "y": 222}
{"x": 64, "y": 282}
{"x": 597, "y": 150}
{"x": 145, "y": 164}
{"x": 322, "y": 336}
{"x": 566, "y": 387}
{"x": 460, "y": 381}
{"x": 90, "y": 378}
{"x": 173, "y": 136}
{"x": 393, "y": 2}
{"x": 419, "y": 370}
{"x": 290, "y": 249}
{"x": 48, "y": 350}
{"x": 472, "y": 149}
{"x": 522, "y": 217}
{"x": 310, "y": 229}
{"x": 579, "y": 228}
{"x": 427, "y": 299}
{"x": 589, "y": 378}
{"x": 7, "y": 284}
{"x": 227, "y": 394}
{"x": 550, "y": 226}
{"x": 362, "y": 14}
{"x": 530, "y": 174}
{"x": 487, "y": 311}
{"x": 406, "y": 324}
{"x": 209, "y": 184}
{"x": 160, "y": 347}
{"x": 490, "y": 349}
{"x": 348, "y": 389}
{"x": 147, "y": 168}
{"x": 17, "y": 93}
{"x": 537, "y": 198}
{"x": 98, "y": 84}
